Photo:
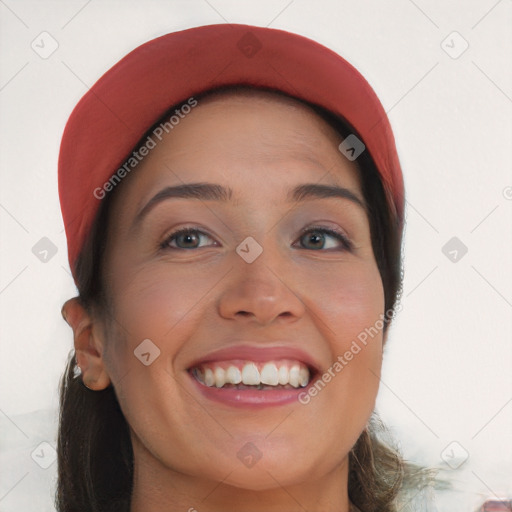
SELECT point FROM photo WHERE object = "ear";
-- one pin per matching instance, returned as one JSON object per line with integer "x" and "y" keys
{"x": 88, "y": 345}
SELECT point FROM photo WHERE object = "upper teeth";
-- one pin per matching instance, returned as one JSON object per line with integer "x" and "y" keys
{"x": 250, "y": 373}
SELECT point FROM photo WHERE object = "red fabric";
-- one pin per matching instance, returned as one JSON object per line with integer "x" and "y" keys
{"x": 130, "y": 97}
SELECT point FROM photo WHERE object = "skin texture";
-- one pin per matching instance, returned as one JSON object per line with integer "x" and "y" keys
{"x": 317, "y": 296}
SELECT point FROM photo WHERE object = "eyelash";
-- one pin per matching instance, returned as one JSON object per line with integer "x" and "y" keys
{"x": 341, "y": 237}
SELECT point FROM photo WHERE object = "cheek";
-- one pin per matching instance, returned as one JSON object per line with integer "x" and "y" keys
{"x": 348, "y": 307}
{"x": 347, "y": 298}
{"x": 161, "y": 298}
{"x": 157, "y": 310}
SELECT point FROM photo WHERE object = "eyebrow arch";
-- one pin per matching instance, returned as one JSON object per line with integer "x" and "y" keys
{"x": 215, "y": 192}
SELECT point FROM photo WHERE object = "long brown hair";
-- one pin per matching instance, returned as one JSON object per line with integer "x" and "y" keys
{"x": 95, "y": 456}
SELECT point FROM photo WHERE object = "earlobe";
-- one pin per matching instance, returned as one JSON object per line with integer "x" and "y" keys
{"x": 88, "y": 345}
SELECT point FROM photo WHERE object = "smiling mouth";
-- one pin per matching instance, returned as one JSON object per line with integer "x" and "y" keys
{"x": 250, "y": 375}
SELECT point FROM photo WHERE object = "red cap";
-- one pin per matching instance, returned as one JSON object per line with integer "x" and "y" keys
{"x": 109, "y": 120}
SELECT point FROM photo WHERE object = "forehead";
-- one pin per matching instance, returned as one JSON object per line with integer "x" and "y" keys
{"x": 264, "y": 120}
{"x": 257, "y": 142}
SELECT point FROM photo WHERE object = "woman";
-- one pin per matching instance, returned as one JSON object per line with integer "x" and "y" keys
{"x": 233, "y": 204}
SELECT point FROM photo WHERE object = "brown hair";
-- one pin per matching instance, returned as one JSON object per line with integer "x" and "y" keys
{"x": 95, "y": 456}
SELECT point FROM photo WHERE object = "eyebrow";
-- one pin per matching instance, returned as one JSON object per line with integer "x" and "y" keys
{"x": 215, "y": 192}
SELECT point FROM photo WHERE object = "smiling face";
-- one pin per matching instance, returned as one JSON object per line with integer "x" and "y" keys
{"x": 299, "y": 303}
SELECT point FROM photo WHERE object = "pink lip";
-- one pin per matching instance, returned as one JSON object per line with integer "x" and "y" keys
{"x": 248, "y": 397}
{"x": 258, "y": 354}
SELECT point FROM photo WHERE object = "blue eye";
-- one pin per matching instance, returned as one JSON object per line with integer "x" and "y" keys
{"x": 316, "y": 234}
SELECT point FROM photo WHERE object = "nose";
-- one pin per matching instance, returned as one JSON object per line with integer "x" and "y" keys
{"x": 260, "y": 292}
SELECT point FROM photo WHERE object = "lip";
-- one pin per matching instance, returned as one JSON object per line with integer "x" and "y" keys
{"x": 259, "y": 355}
{"x": 249, "y": 398}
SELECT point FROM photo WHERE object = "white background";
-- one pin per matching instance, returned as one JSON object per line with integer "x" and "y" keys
{"x": 447, "y": 371}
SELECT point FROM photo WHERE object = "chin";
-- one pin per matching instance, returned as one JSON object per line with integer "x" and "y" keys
{"x": 273, "y": 465}
{"x": 266, "y": 477}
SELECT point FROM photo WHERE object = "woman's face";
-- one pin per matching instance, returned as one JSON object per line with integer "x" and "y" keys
{"x": 248, "y": 282}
